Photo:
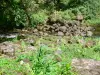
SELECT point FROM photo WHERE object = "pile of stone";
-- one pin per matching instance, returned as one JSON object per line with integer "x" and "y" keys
{"x": 65, "y": 28}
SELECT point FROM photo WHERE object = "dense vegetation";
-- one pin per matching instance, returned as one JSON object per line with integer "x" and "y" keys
{"x": 22, "y": 13}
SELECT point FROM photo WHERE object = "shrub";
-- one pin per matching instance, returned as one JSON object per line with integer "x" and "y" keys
{"x": 67, "y": 15}
{"x": 39, "y": 18}
{"x": 28, "y": 12}
{"x": 56, "y": 15}
{"x": 12, "y": 15}
{"x": 45, "y": 64}
{"x": 20, "y": 17}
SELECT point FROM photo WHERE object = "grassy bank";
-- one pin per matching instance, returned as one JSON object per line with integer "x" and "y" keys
{"x": 52, "y": 57}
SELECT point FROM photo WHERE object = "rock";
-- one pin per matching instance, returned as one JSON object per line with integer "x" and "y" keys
{"x": 78, "y": 32}
{"x": 60, "y": 33}
{"x": 86, "y": 66}
{"x": 72, "y": 23}
{"x": 52, "y": 27}
{"x": 63, "y": 28}
{"x": 81, "y": 41}
{"x": 45, "y": 34}
{"x": 80, "y": 17}
{"x": 32, "y": 48}
{"x": 37, "y": 34}
{"x": 58, "y": 52}
{"x": 45, "y": 29}
{"x": 84, "y": 43}
{"x": 67, "y": 25}
{"x": 25, "y": 61}
{"x": 89, "y": 28}
{"x": 58, "y": 24}
{"x": 57, "y": 29}
{"x": 55, "y": 25}
{"x": 89, "y": 33}
{"x": 35, "y": 31}
{"x": 39, "y": 27}
{"x": 30, "y": 41}
{"x": 41, "y": 33}
{"x": 17, "y": 46}
{"x": 75, "y": 27}
{"x": 58, "y": 58}
{"x": 67, "y": 33}
{"x": 21, "y": 62}
{"x": 83, "y": 34}
{"x": 7, "y": 48}
{"x": 53, "y": 31}
{"x": 89, "y": 43}
{"x": 77, "y": 23}
{"x": 21, "y": 36}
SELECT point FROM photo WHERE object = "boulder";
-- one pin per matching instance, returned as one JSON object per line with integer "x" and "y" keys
{"x": 41, "y": 33}
{"x": 80, "y": 17}
{"x": 89, "y": 33}
{"x": 60, "y": 33}
{"x": 45, "y": 34}
{"x": 63, "y": 28}
{"x": 35, "y": 31}
{"x": 67, "y": 33}
{"x": 31, "y": 48}
{"x": 7, "y": 48}
{"x": 90, "y": 43}
{"x": 30, "y": 41}
{"x": 55, "y": 25}
{"x": 86, "y": 66}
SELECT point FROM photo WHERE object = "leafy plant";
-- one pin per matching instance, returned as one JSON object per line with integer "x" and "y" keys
{"x": 39, "y": 18}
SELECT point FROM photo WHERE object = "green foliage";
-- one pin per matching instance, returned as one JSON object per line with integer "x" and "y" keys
{"x": 56, "y": 16}
{"x": 16, "y": 1}
{"x": 62, "y": 15}
{"x": 31, "y": 12}
{"x": 68, "y": 15}
{"x": 93, "y": 21}
{"x": 90, "y": 9}
{"x": 97, "y": 47}
{"x": 39, "y": 18}
{"x": 12, "y": 15}
{"x": 93, "y": 8}
{"x": 20, "y": 17}
{"x": 44, "y": 63}
{"x": 10, "y": 67}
